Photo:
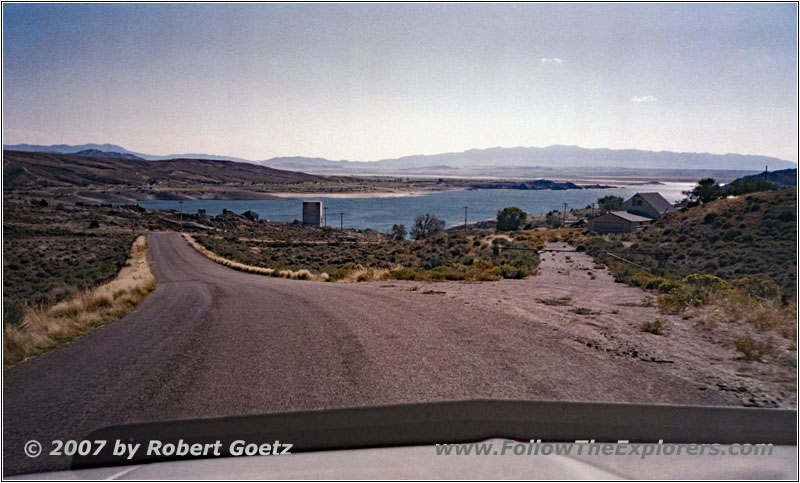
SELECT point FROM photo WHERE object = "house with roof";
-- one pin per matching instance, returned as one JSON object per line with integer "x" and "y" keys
{"x": 640, "y": 210}
{"x": 651, "y": 205}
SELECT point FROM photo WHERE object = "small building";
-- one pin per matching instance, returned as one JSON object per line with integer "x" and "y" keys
{"x": 651, "y": 205}
{"x": 618, "y": 222}
{"x": 201, "y": 211}
{"x": 638, "y": 211}
{"x": 312, "y": 213}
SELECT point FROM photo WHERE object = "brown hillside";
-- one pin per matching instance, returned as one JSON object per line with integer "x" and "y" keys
{"x": 750, "y": 235}
{"x": 25, "y": 169}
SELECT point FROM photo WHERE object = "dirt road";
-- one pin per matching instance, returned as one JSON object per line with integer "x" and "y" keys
{"x": 211, "y": 341}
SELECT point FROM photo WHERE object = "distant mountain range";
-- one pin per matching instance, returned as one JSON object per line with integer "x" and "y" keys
{"x": 552, "y": 157}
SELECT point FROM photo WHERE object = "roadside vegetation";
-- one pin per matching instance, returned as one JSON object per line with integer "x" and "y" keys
{"x": 48, "y": 324}
{"x": 725, "y": 261}
{"x": 707, "y": 189}
{"x": 42, "y": 266}
{"x": 752, "y": 236}
{"x": 433, "y": 255}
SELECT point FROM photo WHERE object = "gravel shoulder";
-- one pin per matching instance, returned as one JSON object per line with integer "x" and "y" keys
{"x": 591, "y": 314}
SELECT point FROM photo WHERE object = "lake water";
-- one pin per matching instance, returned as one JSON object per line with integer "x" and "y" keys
{"x": 381, "y": 213}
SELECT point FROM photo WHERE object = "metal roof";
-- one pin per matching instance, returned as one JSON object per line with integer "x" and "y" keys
{"x": 626, "y": 215}
{"x": 657, "y": 201}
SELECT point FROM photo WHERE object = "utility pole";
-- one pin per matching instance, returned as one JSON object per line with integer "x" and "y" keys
{"x": 325, "y": 215}
{"x": 341, "y": 221}
{"x": 592, "y": 210}
{"x": 181, "y": 217}
{"x": 465, "y": 220}
{"x": 565, "y": 215}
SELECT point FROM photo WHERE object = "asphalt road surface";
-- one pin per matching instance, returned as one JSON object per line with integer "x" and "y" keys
{"x": 211, "y": 341}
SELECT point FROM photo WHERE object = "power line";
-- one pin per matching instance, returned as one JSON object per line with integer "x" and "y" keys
{"x": 341, "y": 219}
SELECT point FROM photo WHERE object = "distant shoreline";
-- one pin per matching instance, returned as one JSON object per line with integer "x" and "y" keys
{"x": 127, "y": 196}
{"x": 109, "y": 195}
{"x": 361, "y": 194}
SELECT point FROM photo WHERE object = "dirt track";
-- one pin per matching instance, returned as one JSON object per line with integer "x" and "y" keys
{"x": 600, "y": 318}
{"x": 213, "y": 342}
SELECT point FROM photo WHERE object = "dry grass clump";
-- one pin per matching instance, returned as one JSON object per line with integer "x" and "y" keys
{"x": 763, "y": 315}
{"x": 657, "y": 326}
{"x": 753, "y": 349}
{"x": 567, "y": 300}
{"x": 45, "y": 327}
{"x": 302, "y": 274}
{"x": 749, "y": 301}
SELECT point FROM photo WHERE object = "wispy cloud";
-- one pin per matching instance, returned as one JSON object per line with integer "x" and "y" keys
{"x": 551, "y": 60}
{"x": 643, "y": 99}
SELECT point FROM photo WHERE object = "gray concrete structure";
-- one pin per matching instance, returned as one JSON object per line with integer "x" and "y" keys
{"x": 312, "y": 213}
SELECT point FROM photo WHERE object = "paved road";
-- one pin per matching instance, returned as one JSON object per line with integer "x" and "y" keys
{"x": 211, "y": 341}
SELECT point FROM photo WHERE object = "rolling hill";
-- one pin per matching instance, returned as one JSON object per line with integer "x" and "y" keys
{"x": 82, "y": 150}
{"x": 106, "y": 154}
{"x": 782, "y": 179}
{"x": 754, "y": 235}
{"x": 28, "y": 169}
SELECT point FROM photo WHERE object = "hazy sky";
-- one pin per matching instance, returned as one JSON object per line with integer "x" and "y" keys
{"x": 366, "y": 82}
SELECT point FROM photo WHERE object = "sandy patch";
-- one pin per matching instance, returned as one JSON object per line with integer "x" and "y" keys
{"x": 363, "y": 194}
{"x": 595, "y": 315}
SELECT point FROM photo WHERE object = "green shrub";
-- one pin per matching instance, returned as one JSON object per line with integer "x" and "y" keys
{"x": 731, "y": 234}
{"x": 508, "y": 271}
{"x": 344, "y": 270}
{"x": 708, "y": 282}
{"x": 668, "y": 286}
{"x": 511, "y": 219}
{"x": 12, "y": 314}
{"x": 680, "y": 298}
{"x": 491, "y": 275}
{"x": 404, "y": 273}
{"x": 552, "y": 220}
{"x": 426, "y": 226}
